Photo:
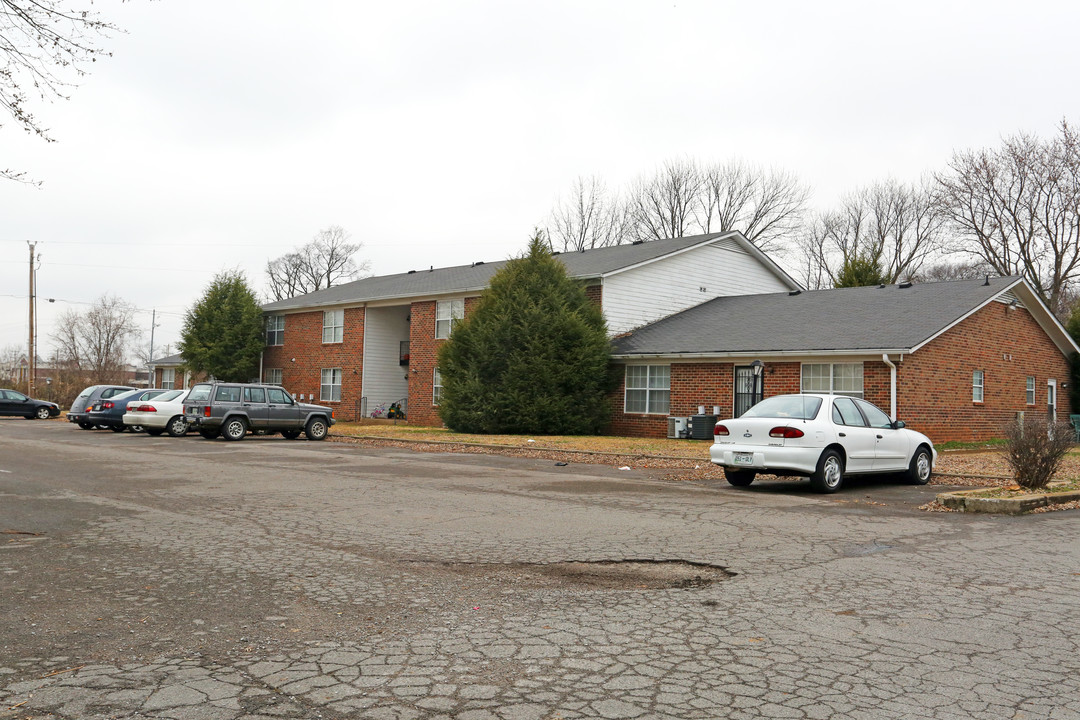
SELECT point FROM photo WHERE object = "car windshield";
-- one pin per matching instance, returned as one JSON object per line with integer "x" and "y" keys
{"x": 798, "y": 407}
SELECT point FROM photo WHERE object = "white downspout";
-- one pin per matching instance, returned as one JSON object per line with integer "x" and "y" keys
{"x": 892, "y": 385}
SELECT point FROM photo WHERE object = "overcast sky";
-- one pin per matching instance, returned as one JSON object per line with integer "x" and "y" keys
{"x": 223, "y": 133}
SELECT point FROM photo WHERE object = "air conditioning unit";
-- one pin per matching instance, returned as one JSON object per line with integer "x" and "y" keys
{"x": 677, "y": 428}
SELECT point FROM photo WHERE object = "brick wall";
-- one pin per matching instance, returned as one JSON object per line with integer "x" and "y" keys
{"x": 935, "y": 383}
{"x": 303, "y": 356}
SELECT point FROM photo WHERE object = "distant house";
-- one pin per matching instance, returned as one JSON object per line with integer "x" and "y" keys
{"x": 373, "y": 342}
{"x": 689, "y": 316}
{"x": 955, "y": 360}
{"x": 169, "y": 373}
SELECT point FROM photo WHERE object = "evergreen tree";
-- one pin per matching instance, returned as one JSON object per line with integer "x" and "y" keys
{"x": 223, "y": 332}
{"x": 532, "y": 357}
{"x": 1073, "y": 326}
{"x": 859, "y": 271}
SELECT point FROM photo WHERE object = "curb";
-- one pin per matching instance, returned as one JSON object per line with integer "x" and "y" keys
{"x": 543, "y": 448}
{"x": 963, "y": 500}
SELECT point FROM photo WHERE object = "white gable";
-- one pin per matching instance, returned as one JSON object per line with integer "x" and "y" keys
{"x": 646, "y": 293}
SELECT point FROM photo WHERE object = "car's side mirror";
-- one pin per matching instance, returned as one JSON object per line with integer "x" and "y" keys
{"x": 898, "y": 424}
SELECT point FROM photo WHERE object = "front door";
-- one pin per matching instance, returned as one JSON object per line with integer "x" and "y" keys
{"x": 1051, "y": 400}
{"x": 859, "y": 440}
{"x": 256, "y": 407}
{"x": 746, "y": 394}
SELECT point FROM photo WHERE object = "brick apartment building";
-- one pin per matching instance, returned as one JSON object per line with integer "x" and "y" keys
{"x": 688, "y": 317}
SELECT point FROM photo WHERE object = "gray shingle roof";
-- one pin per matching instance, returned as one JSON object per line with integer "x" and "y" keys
{"x": 463, "y": 278}
{"x": 856, "y": 319}
{"x": 175, "y": 359}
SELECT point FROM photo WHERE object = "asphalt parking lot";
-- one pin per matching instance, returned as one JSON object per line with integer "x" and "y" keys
{"x": 181, "y": 578}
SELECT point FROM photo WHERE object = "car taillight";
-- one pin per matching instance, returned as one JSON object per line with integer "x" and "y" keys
{"x": 720, "y": 430}
{"x": 145, "y": 408}
{"x": 107, "y": 405}
{"x": 89, "y": 408}
{"x": 206, "y": 411}
{"x": 786, "y": 432}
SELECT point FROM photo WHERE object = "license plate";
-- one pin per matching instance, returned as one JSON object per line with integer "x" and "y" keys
{"x": 97, "y": 408}
{"x": 742, "y": 458}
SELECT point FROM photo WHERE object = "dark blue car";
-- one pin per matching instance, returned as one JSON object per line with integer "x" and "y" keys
{"x": 109, "y": 412}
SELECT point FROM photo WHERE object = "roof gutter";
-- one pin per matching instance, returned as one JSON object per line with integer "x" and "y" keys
{"x": 763, "y": 354}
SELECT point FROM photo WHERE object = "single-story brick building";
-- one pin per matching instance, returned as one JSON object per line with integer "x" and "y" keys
{"x": 954, "y": 360}
{"x": 688, "y": 317}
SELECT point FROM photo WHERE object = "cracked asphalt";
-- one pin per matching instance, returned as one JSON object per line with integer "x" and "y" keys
{"x": 150, "y": 577}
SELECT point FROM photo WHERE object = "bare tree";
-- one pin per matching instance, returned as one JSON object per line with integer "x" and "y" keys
{"x": 892, "y": 225}
{"x": 1017, "y": 208}
{"x": 765, "y": 206}
{"x": 9, "y": 365}
{"x": 588, "y": 218}
{"x": 953, "y": 270}
{"x": 97, "y": 341}
{"x": 39, "y": 41}
{"x": 667, "y": 204}
{"x": 324, "y": 262}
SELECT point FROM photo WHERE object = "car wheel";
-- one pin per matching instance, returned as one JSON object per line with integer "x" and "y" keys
{"x": 921, "y": 468}
{"x": 316, "y": 429}
{"x": 739, "y": 478}
{"x": 829, "y": 475}
{"x": 115, "y": 428}
{"x": 290, "y": 434}
{"x": 177, "y": 426}
{"x": 234, "y": 429}
{"x": 209, "y": 434}
{"x": 155, "y": 431}
{"x": 86, "y": 426}
{"x": 42, "y": 413}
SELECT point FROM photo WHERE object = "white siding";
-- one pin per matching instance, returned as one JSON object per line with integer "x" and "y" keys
{"x": 384, "y": 377}
{"x": 642, "y": 295}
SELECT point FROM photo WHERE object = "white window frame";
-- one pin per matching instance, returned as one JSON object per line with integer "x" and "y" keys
{"x": 436, "y": 387}
{"x": 978, "y": 386}
{"x": 653, "y": 386}
{"x": 275, "y": 330}
{"x": 447, "y": 312}
{"x": 836, "y": 382}
{"x": 273, "y": 376}
{"x": 168, "y": 378}
{"x": 333, "y": 326}
{"x": 330, "y": 385}
{"x": 1030, "y": 390}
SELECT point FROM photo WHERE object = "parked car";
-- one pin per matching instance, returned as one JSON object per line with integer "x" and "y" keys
{"x": 13, "y": 402}
{"x": 231, "y": 409}
{"x": 109, "y": 413}
{"x": 84, "y": 403}
{"x": 164, "y": 413}
{"x": 825, "y": 437}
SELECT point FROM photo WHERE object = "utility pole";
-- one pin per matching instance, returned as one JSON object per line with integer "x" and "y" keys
{"x": 31, "y": 365}
{"x": 150, "y": 359}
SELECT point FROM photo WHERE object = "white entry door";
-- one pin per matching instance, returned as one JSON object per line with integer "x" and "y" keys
{"x": 1051, "y": 400}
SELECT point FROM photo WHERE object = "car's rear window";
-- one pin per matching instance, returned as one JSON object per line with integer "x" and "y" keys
{"x": 796, "y": 407}
{"x": 170, "y": 395}
{"x": 199, "y": 393}
{"x": 88, "y": 391}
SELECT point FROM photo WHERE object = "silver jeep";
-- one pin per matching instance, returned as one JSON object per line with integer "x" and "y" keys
{"x": 230, "y": 410}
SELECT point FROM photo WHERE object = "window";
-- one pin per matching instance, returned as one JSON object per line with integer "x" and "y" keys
{"x": 333, "y": 326}
{"x": 1031, "y": 391}
{"x": 837, "y": 378}
{"x": 278, "y": 396}
{"x": 648, "y": 389}
{"x": 874, "y": 415}
{"x": 254, "y": 395}
{"x": 436, "y": 387}
{"x": 168, "y": 378}
{"x": 272, "y": 376}
{"x": 447, "y": 312}
{"x": 845, "y": 412}
{"x": 227, "y": 394}
{"x": 330, "y": 389}
{"x": 977, "y": 380}
{"x": 275, "y": 329}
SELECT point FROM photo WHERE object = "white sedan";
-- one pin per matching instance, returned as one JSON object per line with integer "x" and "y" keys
{"x": 825, "y": 437}
{"x": 164, "y": 413}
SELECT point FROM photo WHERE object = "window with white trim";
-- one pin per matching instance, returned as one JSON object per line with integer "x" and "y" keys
{"x": 333, "y": 326}
{"x": 272, "y": 376}
{"x": 978, "y": 380}
{"x": 1030, "y": 390}
{"x": 648, "y": 389}
{"x": 436, "y": 387}
{"x": 447, "y": 312}
{"x": 330, "y": 387}
{"x": 168, "y": 378}
{"x": 836, "y": 378}
{"x": 275, "y": 329}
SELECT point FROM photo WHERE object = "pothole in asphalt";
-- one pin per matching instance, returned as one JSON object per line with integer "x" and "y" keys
{"x": 601, "y": 575}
